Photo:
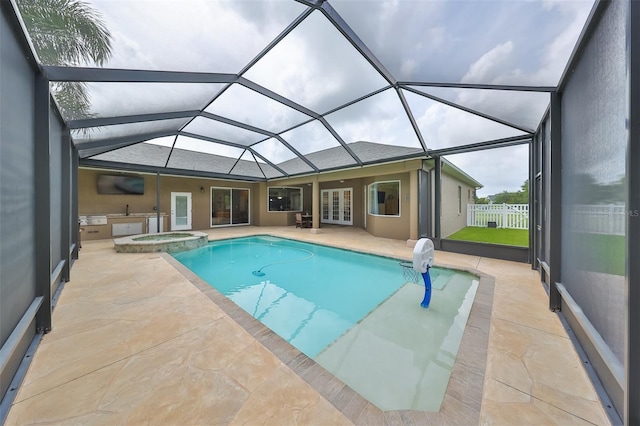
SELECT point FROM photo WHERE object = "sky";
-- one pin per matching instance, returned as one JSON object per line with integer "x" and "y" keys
{"x": 522, "y": 42}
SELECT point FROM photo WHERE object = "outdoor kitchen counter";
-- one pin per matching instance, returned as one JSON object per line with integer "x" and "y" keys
{"x": 113, "y": 225}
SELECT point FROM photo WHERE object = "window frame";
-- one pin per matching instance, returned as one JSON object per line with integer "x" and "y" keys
{"x": 230, "y": 190}
{"x": 298, "y": 188}
{"x": 371, "y": 198}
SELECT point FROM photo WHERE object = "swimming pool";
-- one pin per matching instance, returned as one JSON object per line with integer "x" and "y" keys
{"x": 353, "y": 313}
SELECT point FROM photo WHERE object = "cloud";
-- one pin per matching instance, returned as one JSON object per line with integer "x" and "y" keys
{"x": 316, "y": 67}
{"x": 199, "y": 145}
{"x": 491, "y": 65}
{"x": 191, "y": 35}
{"x": 274, "y": 151}
{"x": 249, "y": 107}
{"x": 558, "y": 51}
{"x": 537, "y": 59}
{"x": 490, "y": 42}
{"x": 520, "y": 108}
{"x": 502, "y": 169}
{"x": 311, "y": 137}
{"x": 114, "y": 99}
{"x": 404, "y": 35}
{"x": 501, "y": 65}
{"x": 443, "y": 126}
{"x": 380, "y": 119}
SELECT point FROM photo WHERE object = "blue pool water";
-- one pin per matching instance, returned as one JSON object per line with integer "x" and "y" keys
{"x": 308, "y": 294}
{"x": 355, "y": 314}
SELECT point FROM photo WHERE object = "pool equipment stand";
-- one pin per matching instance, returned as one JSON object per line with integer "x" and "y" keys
{"x": 427, "y": 290}
{"x": 423, "y": 254}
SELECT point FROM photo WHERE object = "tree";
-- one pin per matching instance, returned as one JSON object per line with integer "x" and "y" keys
{"x": 524, "y": 192}
{"x": 67, "y": 33}
{"x": 518, "y": 197}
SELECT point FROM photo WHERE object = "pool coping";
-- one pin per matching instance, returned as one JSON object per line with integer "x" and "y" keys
{"x": 463, "y": 397}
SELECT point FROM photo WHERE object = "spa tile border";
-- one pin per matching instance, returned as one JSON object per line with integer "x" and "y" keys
{"x": 463, "y": 397}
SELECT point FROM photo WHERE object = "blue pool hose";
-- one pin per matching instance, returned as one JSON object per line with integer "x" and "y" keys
{"x": 427, "y": 289}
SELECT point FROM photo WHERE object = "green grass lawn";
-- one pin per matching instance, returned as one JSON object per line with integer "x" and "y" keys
{"x": 510, "y": 237}
{"x": 599, "y": 253}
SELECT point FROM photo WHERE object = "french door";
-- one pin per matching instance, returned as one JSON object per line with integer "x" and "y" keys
{"x": 180, "y": 211}
{"x": 337, "y": 206}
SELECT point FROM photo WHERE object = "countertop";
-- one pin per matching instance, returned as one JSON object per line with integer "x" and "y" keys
{"x": 119, "y": 215}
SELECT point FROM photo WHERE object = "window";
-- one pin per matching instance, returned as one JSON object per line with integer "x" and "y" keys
{"x": 384, "y": 198}
{"x": 459, "y": 200}
{"x": 468, "y": 194}
{"x": 229, "y": 206}
{"x": 285, "y": 199}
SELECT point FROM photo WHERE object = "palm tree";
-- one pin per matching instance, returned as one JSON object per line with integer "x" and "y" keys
{"x": 71, "y": 33}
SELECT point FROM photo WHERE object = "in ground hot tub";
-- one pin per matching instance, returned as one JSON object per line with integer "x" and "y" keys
{"x": 170, "y": 242}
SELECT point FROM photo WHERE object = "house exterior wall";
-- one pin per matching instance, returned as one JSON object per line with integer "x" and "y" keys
{"x": 286, "y": 218}
{"x": 397, "y": 227}
{"x": 358, "y": 179}
{"x": 92, "y": 203}
{"x": 452, "y": 220}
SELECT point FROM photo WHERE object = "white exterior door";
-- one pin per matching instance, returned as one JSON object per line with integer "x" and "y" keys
{"x": 337, "y": 206}
{"x": 180, "y": 211}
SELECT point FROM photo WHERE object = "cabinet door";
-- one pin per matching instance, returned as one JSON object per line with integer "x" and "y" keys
{"x": 129, "y": 228}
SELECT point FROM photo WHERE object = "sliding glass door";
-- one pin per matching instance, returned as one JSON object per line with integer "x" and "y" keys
{"x": 229, "y": 206}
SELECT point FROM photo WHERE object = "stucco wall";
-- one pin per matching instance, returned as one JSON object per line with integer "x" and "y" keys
{"x": 397, "y": 227}
{"x": 451, "y": 221}
{"x": 267, "y": 218}
{"x": 90, "y": 202}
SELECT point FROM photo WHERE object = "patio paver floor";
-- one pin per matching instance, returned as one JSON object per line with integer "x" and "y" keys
{"x": 135, "y": 341}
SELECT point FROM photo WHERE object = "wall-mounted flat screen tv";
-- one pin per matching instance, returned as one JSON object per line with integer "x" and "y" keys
{"x": 119, "y": 184}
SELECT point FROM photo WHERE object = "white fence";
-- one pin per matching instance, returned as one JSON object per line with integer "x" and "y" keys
{"x": 606, "y": 219}
{"x": 598, "y": 218}
{"x": 514, "y": 216}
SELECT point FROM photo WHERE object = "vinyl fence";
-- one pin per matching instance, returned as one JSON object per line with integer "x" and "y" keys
{"x": 606, "y": 219}
{"x": 513, "y": 216}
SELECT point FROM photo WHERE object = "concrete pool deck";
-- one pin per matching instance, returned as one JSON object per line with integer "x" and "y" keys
{"x": 135, "y": 341}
